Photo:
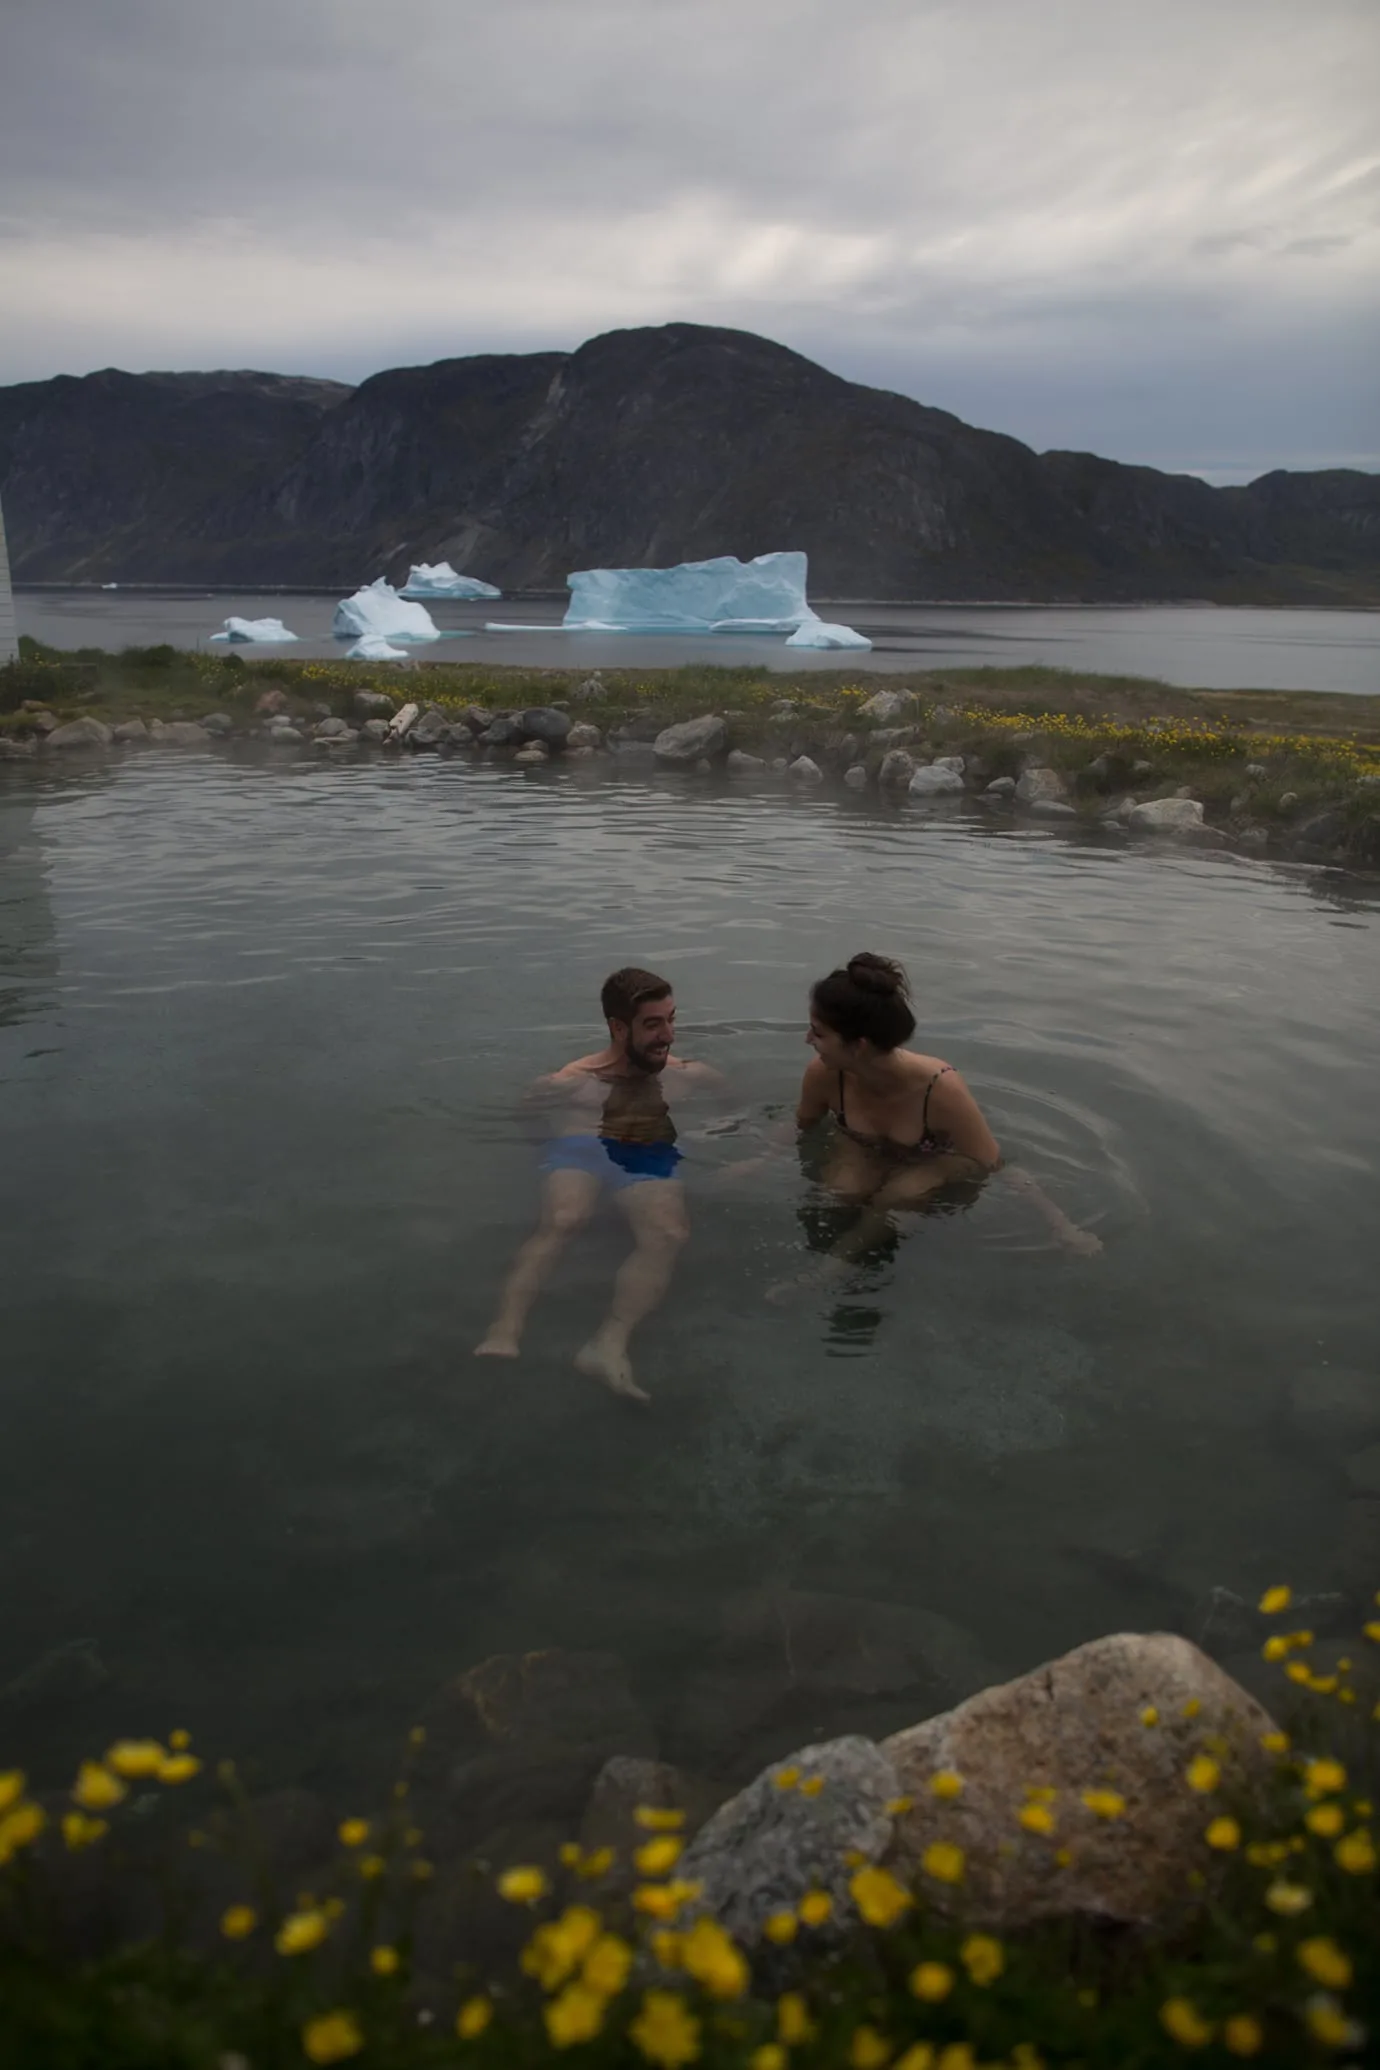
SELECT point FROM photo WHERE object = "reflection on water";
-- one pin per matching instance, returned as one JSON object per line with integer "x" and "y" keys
{"x": 262, "y": 1167}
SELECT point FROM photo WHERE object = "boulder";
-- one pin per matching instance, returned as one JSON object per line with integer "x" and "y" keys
{"x": 373, "y": 703}
{"x": 804, "y": 770}
{"x": 744, "y": 764}
{"x": 1041, "y": 785}
{"x": 345, "y": 739}
{"x": 131, "y": 729}
{"x": 476, "y": 719}
{"x": 1324, "y": 830}
{"x": 1256, "y": 772}
{"x": 81, "y": 733}
{"x": 430, "y": 730}
{"x": 624, "y": 1785}
{"x": 375, "y": 729}
{"x": 1074, "y": 1725}
{"x": 544, "y": 723}
{"x": 936, "y": 780}
{"x": 1166, "y": 816}
{"x": 1001, "y": 787}
{"x": 12, "y": 750}
{"x": 898, "y": 767}
{"x": 218, "y": 723}
{"x": 886, "y": 705}
{"x": 583, "y": 735}
{"x": 535, "y": 751}
{"x": 505, "y": 731}
{"x": 270, "y": 701}
{"x": 949, "y": 762}
{"x": 763, "y": 1850}
{"x": 591, "y": 691}
{"x": 334, "y": 729}
{"x": 856, "y": 777}
{"x": 285, "y": 736}
{"x": 1052, "y": 808}
{"x": 183, "y": 733}
{"x": 680, "y": 747}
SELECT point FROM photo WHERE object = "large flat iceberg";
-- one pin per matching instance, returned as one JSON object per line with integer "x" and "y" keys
{"x": 374, "y": 647}
{"x": 722, "y": 595}
{"x": 379, "y": 609}
{"x": 817, "y": 632}
{"x": 266, "y": 630}
{"x": 441, "y": 580}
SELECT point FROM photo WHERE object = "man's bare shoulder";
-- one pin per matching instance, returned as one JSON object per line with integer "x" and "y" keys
{"x": 577, "y": 1068}
{"x": 695, "y": 1074}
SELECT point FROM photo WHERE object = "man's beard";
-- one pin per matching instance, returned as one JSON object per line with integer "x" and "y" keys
{"x": 642, "y": 1060}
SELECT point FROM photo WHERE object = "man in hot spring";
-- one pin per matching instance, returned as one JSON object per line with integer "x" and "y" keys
{"x": 615, "y": 1135}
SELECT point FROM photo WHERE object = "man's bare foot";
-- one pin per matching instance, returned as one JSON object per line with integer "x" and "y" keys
{"x": 500, "y": 1343}
{"x": 608, "y": 1362}
{"x": 1081, "y": 1242}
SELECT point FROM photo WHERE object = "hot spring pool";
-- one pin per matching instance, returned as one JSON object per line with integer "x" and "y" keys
{"x": 263, "y": 1038}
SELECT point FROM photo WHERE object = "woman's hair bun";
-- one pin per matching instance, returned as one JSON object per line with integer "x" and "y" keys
{"x": 877, "y": 974}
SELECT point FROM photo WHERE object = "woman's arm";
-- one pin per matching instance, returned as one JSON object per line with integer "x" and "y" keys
{"x": 813, "y": 1104}
{"x": 953, "y": 1110}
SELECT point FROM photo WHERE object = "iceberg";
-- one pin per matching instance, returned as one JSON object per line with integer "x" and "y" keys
{"x": 266, "y": 630}
{"x": 817, "y": 632}
{"x": 377, "y": 608}
{"x": 374, "y": 647}
{"x": 722, "y": 595}
{"x": 424, "y": 580}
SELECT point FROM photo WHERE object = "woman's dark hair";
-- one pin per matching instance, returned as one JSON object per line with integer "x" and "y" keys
{"x": 869, "y": 997}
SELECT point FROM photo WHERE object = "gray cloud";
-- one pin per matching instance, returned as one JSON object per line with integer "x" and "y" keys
{"x": 1150, "y": 232}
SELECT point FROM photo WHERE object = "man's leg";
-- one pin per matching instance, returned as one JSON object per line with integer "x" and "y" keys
{"x": 568, "y": 1199}
{"x": 655, "y": 1209}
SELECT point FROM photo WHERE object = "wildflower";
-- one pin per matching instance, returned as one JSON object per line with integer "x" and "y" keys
{"x": 1024, "y": 2056}
{"x": 1062, "y": 1858}
{"x": 412, "y": 1836}
{"x": 1372, "y": 1630}
{"x": 1288, "y": 1899}
{"x": 1191, "y": 1708}
{"x": 1037, "y": 1818}
{"x": 96, "y": 1789}
{"x": 770, "y": 2056}
{"x": 653, "y": 1819}
{"x": 786, "y": 1778}
{"x": 301, "y": 1931}
{"x": 868, "y": 2050}
{"x": 1329, "y": 2024}
{"x": 1355, "y": 1854}
{"x": 607, "y": 1965}
{"x": 957, "y": 2056}
{"x": 793, "y": 2022}
{"x": 946, "y": 1783}
{"x": 1299, "y": 1671}
{"x": 372, "y": 1865}
{"x": 473, "y": 2017}
{"x": 1224, "y": 1834}
{"x": 709, "y": 1956}
{"x": 1322, "y": 1778}
{"x": 812, "y": 1786}
{"x": 1105, "y": 1803}
{"x": 944, "y": 1861}
{"x": 1275, "y": 1647}
{"x": 897, "y": 1807}
{"x": 1040, "y": 1793}
{"x": 576, "y": 2015}
{"x": 1243, "y": 2035}
{"x": 814, "y": 1908}
{"x": 1275, "y": 1742}
{"x": 1202, "y": 1774}
{"x": 1326, "y": 1820}
{"x": 781, "y": 1927}
{"x": 332, "y": 2037}
{"x": 1325, "y": 1962}
{"x": 556, "y": 1948}
{"x": 11, "y": 1787}
{"x": 384, "y": 1961}
{"x": 238, "y": 1921}
{"x": 1183, "y": 2023}
{"x": 19, "y": 1827}
{"x": 879, "y": 1897}
{"x": 136, "y": 1757}
{"x": 1276, "y": 1599}
{"x": 932, "y": 1981}
{"x": 919, "y": 2056}
{"x": 78, "y": 1830}
{"x": 417, "y": 1736}
{"x": 983, "y": 1958}
{"x": 353, "y": 1832}
{"x": 664, "y": 1900}
{"x": 522, "y": 1886}
{"x": 665, "y": 2032}
{"x": 1149, "y": 1716}
{"x": 658, "y": 1857}
{"x": 178, "y": 1768}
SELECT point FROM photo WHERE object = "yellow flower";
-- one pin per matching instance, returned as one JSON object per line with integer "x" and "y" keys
{"x": 1355, "y": 1854}
{"x": 932, "y": 1981}
{"x": 1037, "y": 1818}
{"x": 658, "y": 1857}
{"x": 920, "y": 2056}
{"x": 19, "y": 1827}
{"x": 1182, "y": 2021}
{"x": 136, "y": 1757}
{"x": 178, "y": 1768}
{"x": 332, "y": 2037}
{"x": 1149, "y": 1716}
{"x": 653, "y": 1819}
{"x": 11, "y": 1787}
{"x": 815, "y": 1907}
{"x": 793, "y": 2022}
{"x": 1325, "y": 1819}
{"x": 1105, "y": 1803}
{"x": 665, "y": 2032}
{"x": 812, "y": 1786}
{"x": 588, "y": 1867}
{"x": 353, "y": 1832}
{"x": 238, "y": 1921}
{"x": 946, "y": 1783}
{"x": 1323, "y": 1778}
{"x": 607, "y": 1965}
{"x": 1299, "y": 1671}
{"x": 896, "y": 1807}
{"x": 879, "y": 1897}
{"x": 1275, "y": 1647}
{"x": 1328, "y": 2023}
{"x": 1191, "y": 1708}
{"x": 945, "y": 1862}
{"x": 1224, "y": 1834}
{"x": 983, "y": 1958}
{"x": 384, "y": 1960}
{"x": 770, "y": 2056}
{"x": 1325, "y": 1962}
{"x": 868, "y": 2050}
{"x": 1276, "y": 1599}
{"x": 179, "y": 1740}
{"x": 522, "y": 1886}
{"x": 1372, "y": 1630}
{"x": 786, "y": 1778}
{"x": 80, "y": 1831}
{"x": 781, "y": 1927}
{"x": 664, "y": 1900}
{"x": 1243, "y": 2035}
{"x": 1275, "y": 1742}
{"x": 473, "y": 2017}
{"x": 301, "y": 1931}
{"x": 576, "y": 2015}
{"x": 1288, "y": 1899}
{"x": 957, "y": 2056}
{"x": 558, "y": 1947}
{"x": 709, "y": 1956}
{"x": 1202, "y": 1774}
{"x": 96, "y": 1789}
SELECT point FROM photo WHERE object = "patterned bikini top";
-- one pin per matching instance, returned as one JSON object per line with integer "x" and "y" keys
{"x": 929, "y": 1145}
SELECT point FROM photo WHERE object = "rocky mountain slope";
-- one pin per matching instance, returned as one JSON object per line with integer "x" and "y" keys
{"x": 643, "y": 447}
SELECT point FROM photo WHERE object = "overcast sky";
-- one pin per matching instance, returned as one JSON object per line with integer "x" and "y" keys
{"x": 1145, "y": 229}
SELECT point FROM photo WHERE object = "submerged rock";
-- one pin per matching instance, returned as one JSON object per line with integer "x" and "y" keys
{"x": 544, "y": 723}
{"x": 1041, "y": 786}
{"x": 183, "y": 733}
{"x": 936, "y": 780}
{"x": 681, "y": 746}
{"x": 131, "y": 730}
{"x": 898, "y": 767}
{"x": 583, "y": 735}
{"x": 804, "y": 770}
{"x": 80, "y": 733}
{"x": 856, "y": 777}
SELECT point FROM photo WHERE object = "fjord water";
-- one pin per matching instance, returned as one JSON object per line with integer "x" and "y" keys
{"x": 263, "y": 1160}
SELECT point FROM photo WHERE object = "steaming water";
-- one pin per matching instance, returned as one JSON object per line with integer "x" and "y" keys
{"x": 263, "y": 1034}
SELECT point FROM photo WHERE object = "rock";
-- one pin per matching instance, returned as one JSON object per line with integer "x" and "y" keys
{"x": 1052, "y": 808}
{"x": 856, "y": 777}
{"x": 1324, "y": 830}
{"x": 580, "y": 754}
{"x": 622, "y": 1785}
{"x": 803, "y": 770}
{"x": 270, "y": 701}
{"x": 583, "y": 735}
{"x": 744, "y": 764}
{"x": 544, "y": 723}
{"x": 1256, "y": 771}
{"x": 332, "y": 729}
{"x": 949, "y": 762}
{"x": 784, "y": 708}
{"x": 640, "y": 751}
{"x": 590, "y": 691}
{"x": 219, "y": 723}
{"x": 1106, "y": 772}
{"x": 183, "y": 733}
{"x": 1255, "y": 840}
{"x": 893, "y": 737}
{"x": 375, "y": 729}
{"x": 1166, "y": 816}
{"x": 1040, "y": 784}
{"x": 767, "y": 1846}
{"x": 285, "y": 736}
{"x": 1001, "y": 787}
{"x": 338, "y": 740}
{"x": 1288, "y": 801}
{"x": 1363, "y": 1470}
{"x": 80, "y": 733}
{"x": 403, "y": 721}
{"x": 131, "y": 729}
{"x": 430, "y": 729}
{"x": 373, "y": 703}
{"x": 778, "y": 765}
{"x": 886, "y": 705}
{"x": 476, "y": 718}
{"x": 534, "y": 752}
{"x": 680, "y": 747}
{"x": 936, "y": 780}
{"x": 62, "y": 1675}
{"x": 12, "y": 750}
{"x": 898, "y": 767}
{"x": 552, "y": 1697}
{"x": 1140, "y": 769}
{"x": 1073, "y": 1725}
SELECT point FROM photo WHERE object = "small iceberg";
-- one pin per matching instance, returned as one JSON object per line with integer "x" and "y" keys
{"x": 374, "y": 647}
{"x": 817, "y": 632}
{"x": 377, "y": 608}
{"x": 424, "y": 580}
{"x": 268, "y": 631}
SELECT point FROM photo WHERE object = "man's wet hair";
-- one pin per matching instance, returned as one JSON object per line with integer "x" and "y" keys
{"x": 626, "y": 990}
{"x": 869, "y": 997}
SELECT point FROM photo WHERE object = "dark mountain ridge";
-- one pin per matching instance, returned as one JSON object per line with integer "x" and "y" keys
{"x": 642, "y": 448}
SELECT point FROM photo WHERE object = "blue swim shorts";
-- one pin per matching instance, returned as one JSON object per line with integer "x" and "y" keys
{"x": 615, "y": 1164}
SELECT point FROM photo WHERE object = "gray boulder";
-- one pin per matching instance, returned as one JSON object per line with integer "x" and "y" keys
{"x": 591, "y": 691}
{"x": 543, "y": 722}
{"x": 1324, "y": 830}
{"x": 1166, "y": 816}
{"x": 375, "y": 729}
{"x": 949, "y": 762}
{"x": 898, "y": 767}
{"x": 886, "y": 705}
{"x": 804, "y": 770}
{"x": 856, "y": 777}
{"x": 680, "y": 747}
{"x": 936, "y": 780}
{"x": 81, "y": 733}
{"x": 744, "y": 764}
{"x": 535, "y": 751}
{"x": 219, "y": 723}
{"x": 1256, "y": 772}
{"x": 373, "y": 703}
{"x": 284, "y": 736}
{"x": 338, "y": 740}
{"x": 476, "y": 718}
{"x": 1001, "y": 787}
{"x": 1052, "y": 808}
{"x": 430, "y": 730}
{"x": 506, "y": 731}
{"x": 131, "y": 730}
{"x": 1037, "y": 785}
{"x": 583, "y": 735}
{"x": 333, "y": 729}
{"x": 184, "y": 733}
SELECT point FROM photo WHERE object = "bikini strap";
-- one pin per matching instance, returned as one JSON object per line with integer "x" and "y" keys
{"x": 943, "y": 1070}
{"x": 843, "y": 1118}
